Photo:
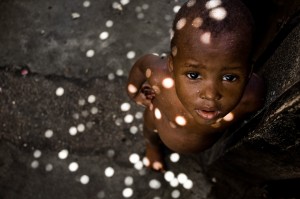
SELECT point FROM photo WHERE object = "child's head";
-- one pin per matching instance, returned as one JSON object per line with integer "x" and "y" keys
{"x": 210, "y": 57}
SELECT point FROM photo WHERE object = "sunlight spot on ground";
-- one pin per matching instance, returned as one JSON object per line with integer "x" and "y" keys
{"x": 81, "y": 102}
{"x": 154, "y": 184}
{"x": 111, "y": 76}
{"x": 73, "y": 166}
{"x": 180, "y": 120}
{"x": 90, "y": 53}
{"x": 197, "y": 22}
{"x": 128, "y": 118}
{"x": 205, "y": 37}
{"x": 212, "y": 4}
{"x": 175, "y": 193}
{"x": 169, "y": 176}
{"x": 37, "y": 153}
{"x": 109, "y": 172}
{"x": 127, "y": 192}
{"x": 125, "y": 106}
{"x": 218, "y": 13}
{"x": 130, "y": 55}
{"x": 94, "y": 110}
{"x": 157, "y": 113}
{"x": 101, "y": 194}
{"x": 134, "y": 158}
{"x": 84, "y": 179}
{"x": 49, "y": 167}
{"x": 48, "y": 133}
{"x": 117, "y": 6}
{"x": 59, "y": 91}
{"x": 63, "y": 154}
{"x": 73, "y": 130}
{"x": 110, "y": 153}
{"x": 134, "y": 129}
{"x": 174, "y": 182}
{"x": 168, "y": 82}
{"x": 146, "y": 161}
{"x": 174, "y": 157}
{"x": 86, "y": 4}
{"x": 229, "y": 117}
{"x": 131, "y": 88}
{"x": 119, "y": 72}
{"x": 128, "y": 181}
{"x": 139, "y": 165}
{"x": 180, "y": 23}
{"x": 176, "y": 9}
{"x": 188, "y": 184}
{"x": 104, "y": 35}
{"x": 182, "y": 178}
{"x": 75, "y": 15}
{"x": 80, "y": 127}
{"x": 35, "y": 164}
{"x": 109, "y": 23}
{"x": 125, "y": 2}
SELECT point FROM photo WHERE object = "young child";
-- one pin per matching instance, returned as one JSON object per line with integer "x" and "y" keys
{"x": 204, "y": 85}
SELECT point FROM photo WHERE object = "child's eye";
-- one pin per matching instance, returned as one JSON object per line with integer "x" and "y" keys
{"x": 229, "y": 78}
{"x": 193, "y": 75}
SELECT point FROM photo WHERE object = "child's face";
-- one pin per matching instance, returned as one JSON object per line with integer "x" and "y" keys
{"x": 210, "y": 77}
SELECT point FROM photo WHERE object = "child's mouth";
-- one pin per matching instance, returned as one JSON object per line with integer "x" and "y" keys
{"x": 208, "y": 115}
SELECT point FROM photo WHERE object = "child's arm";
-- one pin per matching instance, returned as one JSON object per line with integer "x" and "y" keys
{"x": 138, "y": 87}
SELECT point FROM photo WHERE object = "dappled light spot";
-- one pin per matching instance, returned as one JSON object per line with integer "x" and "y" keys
{"x": 156, "y": 89}
{"x": 154, "y": 184}
{"x": 133, "y": 130}
{"x": 84, "y": 179}
{"x": 49, "y": 167}
{"x": 128, "y": 118}
{"x": 180, "y": 23}
{"x": 148, "y": 73}
{"x": 182, "y": 178}
{"x": 138, "y": 115}
{"x": 191, "y": 3}
{"x": 197, "y": 22}
{"x": 157, "y": 113}
{"x": 73, "y": 166}
{"x": 90, "y": 53}
{"x": 229, "y": 117}
{"x": 111, "y": 76}
{"x": 48, "y": 133}
{"x": 180, "y": 120}
{"x": 59, "y": 91}
{"x": 212, "y": 4}
{"x": 101, "y": 194}
{"x": 119, "y": 72}
{"x": 37, "y": 153}
{"x": 176, "y": 9}
{"x": 168, "y": 82}
{"x": 130, "y": 55}
{"x": 80, "y": 128}
{"x": 63, "y": 154}
{"x": 110, "y": 153}
{"x": 174, "y": 182}
{"x": 174, "y": 51}
{"x": 94, "y": 110}
{"x": 169, "y": 176}
{"x": 134, "y": 158}
{"x": 188, "y": 184}
{"x": 127, "y": 192}
{"x": 35, "y": 164}
{"x": 104, "y": 35}
{"x": 128, "y": 181}
{"x": 146, "y": 161}
{"x": 131, "y": 88}
{"x": 205, "y": 37}
{"x": 75, "y": 15}
{"x": 173, "y": 125}
{"x": 157, "y": 165}
{"x": 175, "y": 193}
{"x": 109, "y": 23}
{"x": 218, "y": 13}
{"x": 171, "y": 32}
{"x": 86, "y": 4}
{"x": 174, "y": 157}
{"x": 125, "y": 2}
{"x": 73, "y": 130}
{"x": 109, "y": 172}
{"x": 81, "y": 102}
{"x": 139, "y": 165}
{"x": 91, "y": 99}
{"x": 125, "y": 106}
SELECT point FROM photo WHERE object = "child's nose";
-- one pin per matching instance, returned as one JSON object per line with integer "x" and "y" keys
{"x": 210, "y": 91}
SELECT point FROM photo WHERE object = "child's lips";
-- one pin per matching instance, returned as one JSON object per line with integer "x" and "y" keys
{"x": 208, "y": 114}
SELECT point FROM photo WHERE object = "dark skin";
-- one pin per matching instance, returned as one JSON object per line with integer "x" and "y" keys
{"x": 193, "y": 95}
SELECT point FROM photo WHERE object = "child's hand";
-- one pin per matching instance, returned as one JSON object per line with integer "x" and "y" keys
{"x": 145, "y": 96}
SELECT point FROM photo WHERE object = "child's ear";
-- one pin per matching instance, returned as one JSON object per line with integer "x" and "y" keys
{"x": 170, "y": 63}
